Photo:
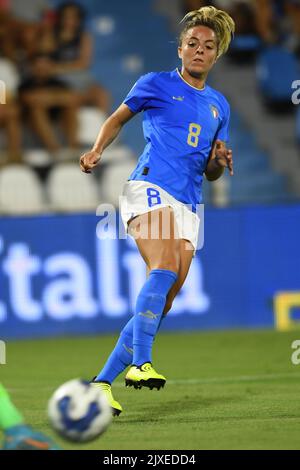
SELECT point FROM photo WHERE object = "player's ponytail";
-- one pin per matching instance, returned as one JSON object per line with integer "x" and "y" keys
{"x": 217, "y": 20}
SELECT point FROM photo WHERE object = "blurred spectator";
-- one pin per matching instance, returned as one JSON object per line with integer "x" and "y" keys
{"x": 71, "y": 48}
{"x": 243, "y": 13}
{"x": 30, "y": 11}
{"x": 9, "y": 112}
{"x": 278, "y": 21}
{"x": 46, "y": 97}
{"x": 269, "y": 14}
{"x": 30, "y": 18}
{"x": 292, "y": 8}
{"x": 7, "y": 41}
{"x": 21, "y": 24}
{"x": 190, "y": 5}
{"x": 9, "y": 121}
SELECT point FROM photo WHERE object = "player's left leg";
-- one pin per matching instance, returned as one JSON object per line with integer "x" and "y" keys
{"x": 17, "y": 435}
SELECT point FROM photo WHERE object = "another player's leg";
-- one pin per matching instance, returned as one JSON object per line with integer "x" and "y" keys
{"x": 161, "y": 255}
{"x": 18, "y": 435}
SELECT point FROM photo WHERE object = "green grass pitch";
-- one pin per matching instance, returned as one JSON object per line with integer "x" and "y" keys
{"x": 225, "y": 390}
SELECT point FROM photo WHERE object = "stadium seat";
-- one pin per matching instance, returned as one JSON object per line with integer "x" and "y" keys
{"x": 244, "y": 47}
{"x": 90, "y": 121}
{"x": 70, "y": 190}
{"x": 9, "y": 77}
{"x": 262, "y": 187}
{"x": 248, "y": 162}
{"x": 112, "y": 180}
{"x": 246, "y": 42}
{"x": 20, "y": 191}
{"x": 118, "y": 154}
{"x": 276, "y": 70}
{"x": 37, "y": 158}
{"x": 219, "y": 192}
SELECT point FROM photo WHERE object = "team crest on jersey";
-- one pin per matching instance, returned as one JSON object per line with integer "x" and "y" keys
{"x": 214, "y": 111}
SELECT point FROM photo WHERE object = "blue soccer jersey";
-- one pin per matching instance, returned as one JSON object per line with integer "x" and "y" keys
{"x": 180, "y": 123}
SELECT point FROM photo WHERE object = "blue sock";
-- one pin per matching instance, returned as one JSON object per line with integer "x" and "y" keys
{"x": 121, "y": 357}
{"x": 149, "y": 309}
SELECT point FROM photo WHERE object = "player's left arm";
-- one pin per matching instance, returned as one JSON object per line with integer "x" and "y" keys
{"x": 220, "y": 158}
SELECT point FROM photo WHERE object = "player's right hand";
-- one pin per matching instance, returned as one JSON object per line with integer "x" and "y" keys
{"x": 89, "y": 160}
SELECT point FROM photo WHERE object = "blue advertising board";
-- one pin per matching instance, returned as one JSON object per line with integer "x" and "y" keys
{"x": 57, "y": 277}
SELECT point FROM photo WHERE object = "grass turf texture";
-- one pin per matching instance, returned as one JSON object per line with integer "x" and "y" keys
{"x": 225, "y": 390}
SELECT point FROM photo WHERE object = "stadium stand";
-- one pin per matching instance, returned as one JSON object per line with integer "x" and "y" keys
{"x": 262, "y": 175}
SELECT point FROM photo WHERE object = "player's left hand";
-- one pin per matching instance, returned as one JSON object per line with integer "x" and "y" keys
{"x": 223, "y": 156}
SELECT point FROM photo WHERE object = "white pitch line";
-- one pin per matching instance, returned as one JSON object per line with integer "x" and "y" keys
{"x": 209, "y": 380}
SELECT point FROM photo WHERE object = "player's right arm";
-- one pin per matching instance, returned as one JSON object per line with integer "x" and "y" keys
{"x": 106, "y": 136}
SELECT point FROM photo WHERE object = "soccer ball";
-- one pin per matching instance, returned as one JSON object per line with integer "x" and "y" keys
{"x": 78, "y": 411}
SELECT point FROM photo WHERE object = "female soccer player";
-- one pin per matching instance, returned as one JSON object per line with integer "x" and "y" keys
{"x": 17, "y": 434}
{"x": 186, "y": 127}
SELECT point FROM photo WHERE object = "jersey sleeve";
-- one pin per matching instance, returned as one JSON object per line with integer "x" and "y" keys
{"x": 223, "y": 131}
{"x": 140, "y": 94}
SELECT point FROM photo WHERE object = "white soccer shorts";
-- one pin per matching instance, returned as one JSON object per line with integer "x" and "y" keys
{"x": 140, "y": 197}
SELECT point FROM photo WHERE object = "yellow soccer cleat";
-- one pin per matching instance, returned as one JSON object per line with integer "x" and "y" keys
{"x": 116, "y": 408}
{"x": 144, "y": 376}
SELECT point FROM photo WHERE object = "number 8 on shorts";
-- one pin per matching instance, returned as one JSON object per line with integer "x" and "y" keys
{"x": 153, "y": 197}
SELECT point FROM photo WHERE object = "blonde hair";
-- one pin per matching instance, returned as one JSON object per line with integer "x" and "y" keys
{"x": 217, "y": 20}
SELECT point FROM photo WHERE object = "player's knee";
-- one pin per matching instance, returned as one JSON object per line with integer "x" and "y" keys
{"x": 168, "y": 266}
{"x": 169, "y": 261}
